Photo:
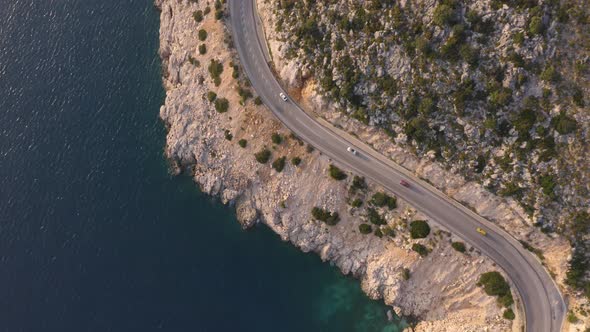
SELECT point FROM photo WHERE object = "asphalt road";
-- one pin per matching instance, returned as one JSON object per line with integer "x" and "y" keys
{"x": 544, "y": 306}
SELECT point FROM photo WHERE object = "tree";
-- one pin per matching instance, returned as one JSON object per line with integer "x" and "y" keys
{"x": 221, "y": 105}
{"x": 459, "y": 246}
{"x": 279, "y": 164}
{"x": 494, "y": 284}
{"x": 420, "y": 249}
{"x": 262, "y": 156}
{"x": 336, "y": 173}
{"x": 365, "y": 228}
{"x": 419, "y": 229}
{"x": 330, "y": 218}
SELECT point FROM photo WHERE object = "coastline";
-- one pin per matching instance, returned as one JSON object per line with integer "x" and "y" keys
{"x": 197, "y": 141}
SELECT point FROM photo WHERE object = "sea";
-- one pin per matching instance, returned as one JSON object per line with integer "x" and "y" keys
{"x": 95, "y": 233}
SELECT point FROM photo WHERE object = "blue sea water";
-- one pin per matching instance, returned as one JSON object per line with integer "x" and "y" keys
{"x": 95, "y": 235}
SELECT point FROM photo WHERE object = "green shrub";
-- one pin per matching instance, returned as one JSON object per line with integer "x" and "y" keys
{"x": 518, "y": 38}
{"x": 336, "y": 173}
{"x": 243, "y": 143}
{"x": 357, "y": 203}
{"x": 381, "y": 199}
{"x": 378, "y": 233}
{"x": 375, "y": 218}
{"x": 419, "y": 229}
{"x": 406, "y": 273}
{"x": 420, "y": 249}
{"x": 365, "y": 228}
{"x": 202, "y": 49}
{"x": 494, "y": 284}
{"x": 459, "y": 246}
{"x": 358, "y": 183}
{"x": 571, "y": 317}
{"x": 215, "y": 69}
{"x": 508, "y": 314}
{"x": 549, "y": 74}
{"x": 330, "y": 218}
{"x": 296, "y": 161}
{"x": 506, "y": 300}
{"x": 219, "y": 14}
{"x": 564, "y": 124}
{"x": 198, "y": 16}
{"x": 388, "y": 231}
{"x": 262, "y": 156}
{"x": 276, "y": 138}
{"x": 211, "y": 96}
{"x": 202, "y": 34}
{"x": 257, "y": 101}
{"x": 207, "y": 10}
{"x": 548, "y": 184}
{"x": 279, "y": 164}
{"x": 228, "y": 135}
{"x": 443, "y": 15}
{"x": 536, "y": 26}
{"x": 194, "y": 62}
{"x": 221, "y": 105}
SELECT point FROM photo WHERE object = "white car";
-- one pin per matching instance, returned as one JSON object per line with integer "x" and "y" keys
{"x": 351, "y": 150}
{"x": 283, "y": 97}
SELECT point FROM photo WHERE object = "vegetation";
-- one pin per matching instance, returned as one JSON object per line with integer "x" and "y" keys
{"x": 571, "y": 317}
{"x": 330, "y": 218}
{"x": 279, "y": 164}
{"x": 509, "y": 314}
{"x": 257, "y": 101}
{"x": 420, "y": 249}
{"x": 365, "y": 228}
{"x": 198, "y": 16}
{"x": 262, "y": 156}
{"x": 295, "y": 161}
{"x": 357, "y": 203}
{"x": 419, "y": 229}
{"x": 459, "y": 246}
{"x": 381, "y": 199}
{"x": 358, "y": 183}
{"x": 242, "y": 143}
{"x": 228, "y": 135}
{"x": 336, "y": 173}
{"x": 221, "y": 105}
{"x": 202, "y": 49}
{"x": 202, "y": 34}
{"x": 211, "y": 96}
{"x": 564, "y": 124}
{"x": 406, "y": 273}
{"x": 375, "y": 218}
{"x": 276, "y": 138}
{"x": 494, "y": 284}
{"x": 215, "y": 69}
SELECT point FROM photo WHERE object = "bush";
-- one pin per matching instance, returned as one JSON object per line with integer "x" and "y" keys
{"x": 536, "y": 26}
{"x": 406, "y": 273}
{"x": 508, "y": 314}
{"x": 228, "y": 135}
{"x": 336, "y": 173}
{"x": 279, "y": 164}
{"x": 419, "y": 229}
{"x": 564, "y": 124}
{"x": 358, "y": 183}
{"x": 549, "y": 74}
{"x": 257, "y": 101}
{"x": 221, "y": 105}
{"x": 211, "y": 96}
{"x": 420, "y": 249}
{"x": 215, "y": 69}
{"x": 378, "y": 233}
{"x": 276, "y": 138}
{"x": 242, "y": 143}
{"x": 365, "y": 228}
{"x": 296, "y": 161}
{"x": 202, "y": 34}
{"x": 388, "y": 231}
{"x": 494, "y": 284}
{"x": 571, "y": 317}
{"x": 459, "y": 246}
{"x": 548, "y": 184}
{"x": 374, "y": 217}
{"x": 198, "y": 16}
{"x": 518, "y": 38}
{"x": 381, "y": 199}
{"x": 330, "y": 218}
{"x": 262, "y": 156}
{"x": 202, "y": 49}
{"x": 443, "y": 15}
{"x": 357, "y": 203}
{"x": 219, "y": 14}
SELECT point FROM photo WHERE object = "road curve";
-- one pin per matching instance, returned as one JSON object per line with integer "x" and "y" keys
{"x": 544, "y": 306}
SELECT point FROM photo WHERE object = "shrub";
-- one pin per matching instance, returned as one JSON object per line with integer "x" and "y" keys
{"x": 211, "y": 96}
{"x": 221, "y": 105}
{"x": 459, "y": 246}
{"x": 276, "y": 138}
{"x": 381, "y": 199}
{"x": 365, "y": 228}
{"x": 242, "y": 143}
{"x": 228, "y": 135}
{"x": 518, "y": 38}
{"x": 549, "y": 74}
{"x": 443, "y": 15}
{"x": 215, "y": 69}
{"x": 357, "y": 203}
{"x": 330, "y": 218}
{"x": 378, "y": 233}
{"x": 358, "y": 183}
{"x": 571, "y": 317}
{"x": 548, "y": 184}
{"x": 207, "y": 10}
{"x": 536, "y": 26}
{"x": 406, "y": 273}
{"x": 420, "y": 249}
{"x": 279, "y": 164}
{"x": 508, "y": 314}
{"x": 419, "y": 229}
{"x": 219, "y": 14}
{"x": 375, "y": 217}
{"x": 262, "y": 156}
{"x": 296, "y": 161}
{"x": 202, "y": 34}
{"x": 564, "y": 124}
{"x": 494, "y": 284}
{"x": 257, "y": 101}
{"x": 198, "y": 16}
{"x": 336, "y": 173}
{"x": 202, "y": 49}
{"x": 388, "y": 231}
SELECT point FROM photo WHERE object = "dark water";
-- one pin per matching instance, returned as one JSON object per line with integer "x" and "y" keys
{"x": 94, "y": 233}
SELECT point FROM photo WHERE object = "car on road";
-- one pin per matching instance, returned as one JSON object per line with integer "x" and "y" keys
{"x": 351, "y": 150}
{"x": 482, "y": 231}
{"x": 283, "y": 97}
{"x": 404, "y": 183}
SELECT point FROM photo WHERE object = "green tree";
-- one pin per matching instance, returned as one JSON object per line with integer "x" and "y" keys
{"x": 419, "y": 229}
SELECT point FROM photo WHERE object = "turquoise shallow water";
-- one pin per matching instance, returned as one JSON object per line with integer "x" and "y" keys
{"x": 95, "y": 235}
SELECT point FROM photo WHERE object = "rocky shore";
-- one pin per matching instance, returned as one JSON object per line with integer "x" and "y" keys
{"x": 218, "y": 144}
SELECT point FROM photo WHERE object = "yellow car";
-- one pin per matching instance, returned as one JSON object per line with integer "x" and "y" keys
{"x": 481, "y": 231}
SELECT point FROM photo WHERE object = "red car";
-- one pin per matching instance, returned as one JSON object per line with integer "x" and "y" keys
{"x": 404, "y": 183}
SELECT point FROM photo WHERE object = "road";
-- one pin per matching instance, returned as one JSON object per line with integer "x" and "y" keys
{"x": 544, "y": 306}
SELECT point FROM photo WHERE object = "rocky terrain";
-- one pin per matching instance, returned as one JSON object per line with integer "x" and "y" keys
{"x": 487, "y": 100}
{"x": 234, "y": 148}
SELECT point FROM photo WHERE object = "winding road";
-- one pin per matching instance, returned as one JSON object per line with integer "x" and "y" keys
{"x": 543, "y": 303}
